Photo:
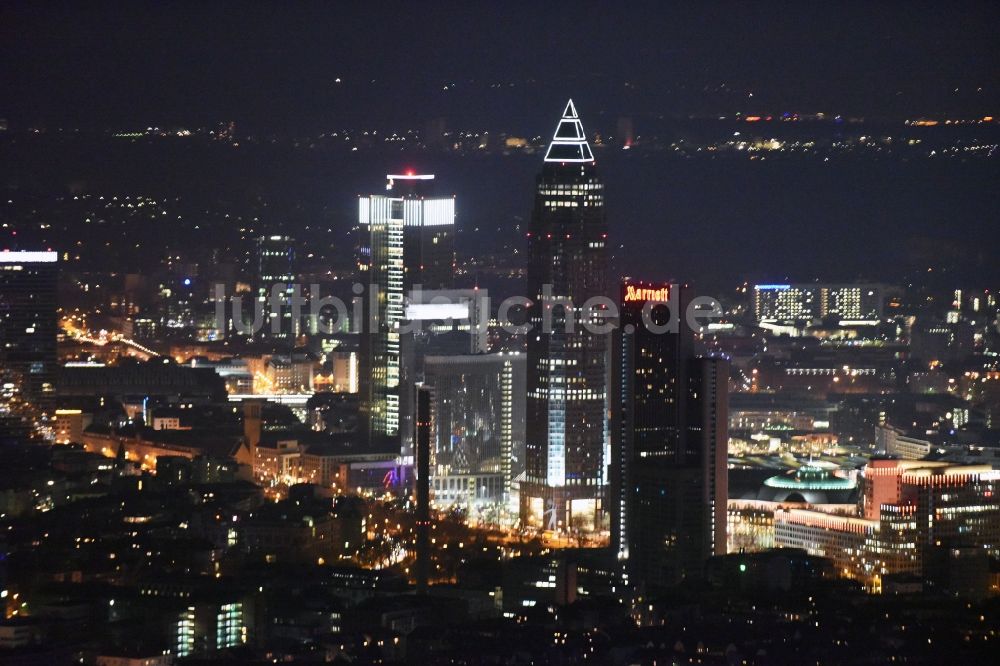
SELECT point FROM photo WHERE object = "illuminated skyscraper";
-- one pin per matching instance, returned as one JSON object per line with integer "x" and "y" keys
{"x": 428, "y": 223}
{"x": 274, "y": 264}
{"x": 565, "y": 456}
{"x": 28, "y": 322}
{"x": 407, "y": 239}
{"x": 669, "y": 438}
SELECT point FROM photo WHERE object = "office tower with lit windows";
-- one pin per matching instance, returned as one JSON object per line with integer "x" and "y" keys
{"x": 29, "y": 323}
{"x": 479, "y": 412}
{"x": 274, "y": 261}
{"x": 859, "y": 303}
{"x": 669, "y": 441}
{"x": 445, "y": 322}
{"x": 209, "y": 625}
{"x": 406, "y": 239}
{"x": 852, "y": 302}
{"x": 438, "y": 322}
{"x": 479, "y": 398}
{"x": 274, "y": 264}
{"x": 784, "y": 302}
{"x": 428, "y": 230}
{"x": 566, "y": 432}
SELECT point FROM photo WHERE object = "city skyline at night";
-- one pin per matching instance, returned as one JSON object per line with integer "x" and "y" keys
{"x": 573, "y": 333}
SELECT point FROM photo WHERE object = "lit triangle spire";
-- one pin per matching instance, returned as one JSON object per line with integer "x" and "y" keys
{"x": 569, "y": 143}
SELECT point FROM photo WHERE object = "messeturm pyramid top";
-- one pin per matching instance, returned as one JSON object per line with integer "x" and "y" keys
{"x": 569, "y": 144}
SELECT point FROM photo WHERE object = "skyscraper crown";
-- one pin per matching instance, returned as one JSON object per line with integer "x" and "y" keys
{"x": 569, "y": 144}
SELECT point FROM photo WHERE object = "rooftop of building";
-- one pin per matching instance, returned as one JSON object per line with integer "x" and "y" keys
{"x": 215, "y": 443}
{"x": 816, "y": 482}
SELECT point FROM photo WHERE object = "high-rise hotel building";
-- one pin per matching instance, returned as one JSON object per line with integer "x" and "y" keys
{"x": 669, "y": 441}
{"x": 566, "y": 429}
{"x": 406, "y": 239}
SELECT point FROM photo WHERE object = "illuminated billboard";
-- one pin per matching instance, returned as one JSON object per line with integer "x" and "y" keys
{"x": 642, "y": 292}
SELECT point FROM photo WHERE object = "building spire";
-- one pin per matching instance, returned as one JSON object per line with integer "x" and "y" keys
{"x": 569, "y": 143}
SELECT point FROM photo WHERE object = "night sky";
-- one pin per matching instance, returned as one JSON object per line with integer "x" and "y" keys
{"x": 274, "y": 67}
{"x": 275, "y": 63}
